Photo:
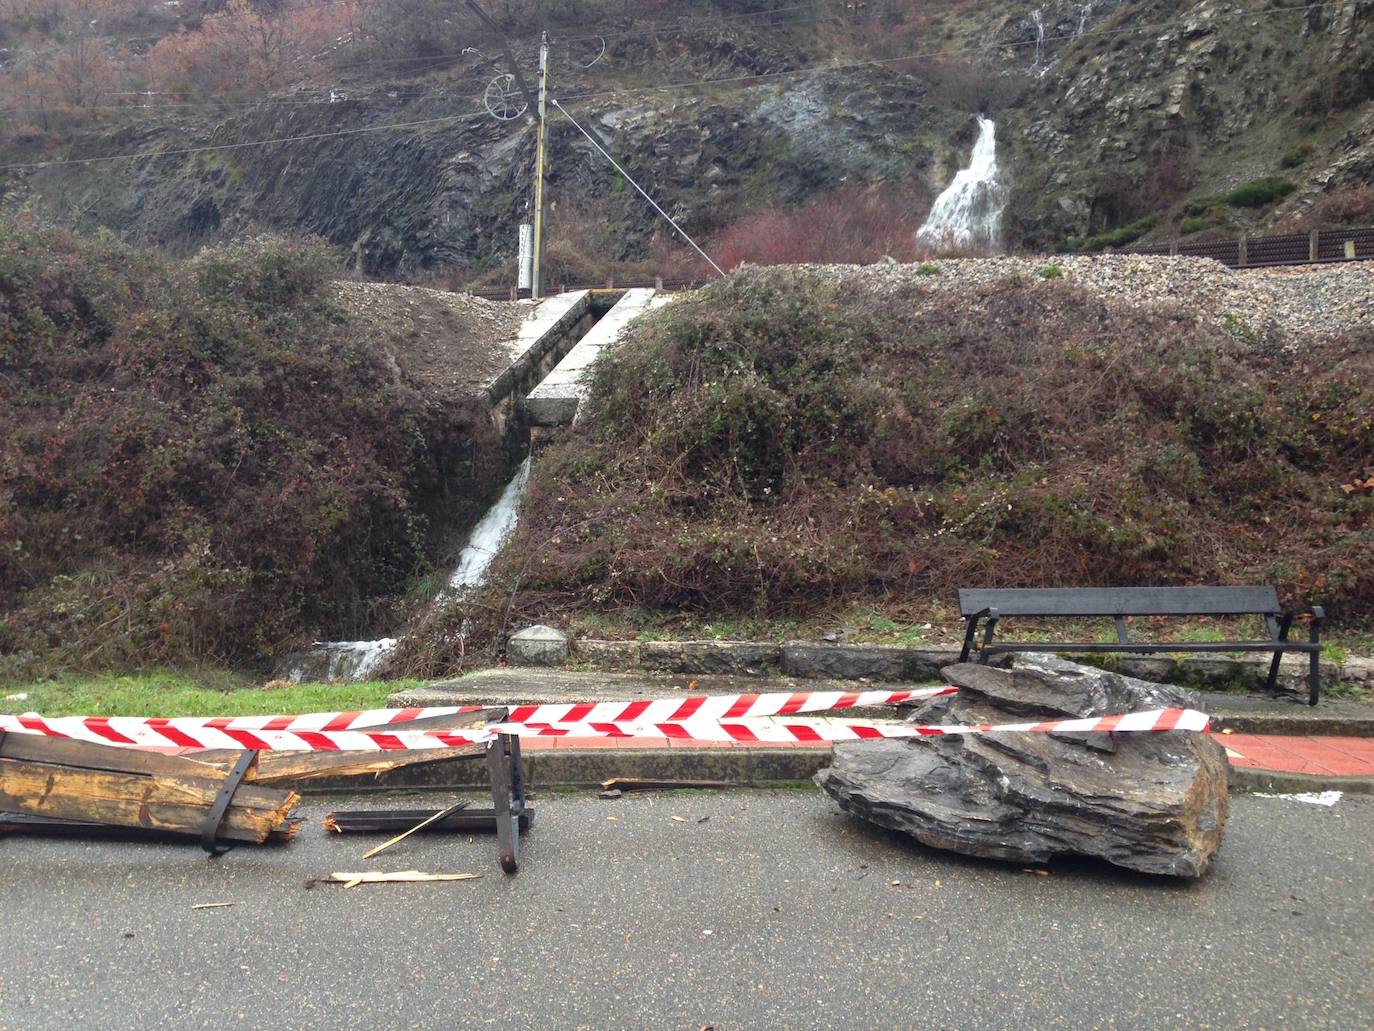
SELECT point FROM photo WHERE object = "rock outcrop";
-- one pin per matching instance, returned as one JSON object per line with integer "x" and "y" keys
{"x": 1153, "y": 802}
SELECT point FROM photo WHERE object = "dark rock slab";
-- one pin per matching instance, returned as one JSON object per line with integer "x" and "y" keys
{"x": 1154, "y": 802}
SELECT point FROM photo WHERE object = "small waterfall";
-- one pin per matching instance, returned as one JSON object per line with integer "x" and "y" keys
{"x": 489, "y": 534}
{"x": 1038, "y": 17}
{"x": 969, "y": 211}
{"x": 337, "y": 660}
{"x": 1083, "y": 11}
{"x": 356, "y": 660}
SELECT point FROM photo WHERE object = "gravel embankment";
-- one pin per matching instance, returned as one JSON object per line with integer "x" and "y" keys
{"x": 1289, "y": 302}
{"x": 448, "y": 339}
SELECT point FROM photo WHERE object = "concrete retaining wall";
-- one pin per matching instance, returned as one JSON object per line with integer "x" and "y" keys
{"x": 901, "y": 663}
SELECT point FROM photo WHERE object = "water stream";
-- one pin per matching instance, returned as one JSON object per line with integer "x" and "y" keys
{"x": 357, "y": 660}
{"x": 969, "y": 210}
{"x": 488, "y": 535}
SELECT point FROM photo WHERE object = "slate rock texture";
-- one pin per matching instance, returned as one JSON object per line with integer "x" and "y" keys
{"x": 1152, "y": 802}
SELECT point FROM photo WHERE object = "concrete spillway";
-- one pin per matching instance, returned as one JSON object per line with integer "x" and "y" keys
{"x": 542, "y": 340}
{"x": 555, "y": 401}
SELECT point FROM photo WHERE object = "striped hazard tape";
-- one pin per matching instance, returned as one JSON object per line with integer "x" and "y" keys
{"x": 224, "y": 731}
{"x": 770, "y": 730}
{"x": 153, "y": 733}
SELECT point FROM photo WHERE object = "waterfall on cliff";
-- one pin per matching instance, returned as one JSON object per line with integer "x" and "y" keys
{"x": 1039, "y": 18}
{"x": 969, "y": 211}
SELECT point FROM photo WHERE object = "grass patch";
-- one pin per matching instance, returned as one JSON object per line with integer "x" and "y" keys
{"x": 1050, "y": 272}
{"x": 1118, "y": 237}
{"x": 1260, "y": 193}
{"x": 1296, "y": 157}
{"x": 182, "y": 695}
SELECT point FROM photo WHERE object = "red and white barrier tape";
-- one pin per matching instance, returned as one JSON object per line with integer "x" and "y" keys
{"x": 222, "y": 731}
{"x": 754, "y": 729}
{"x": 823, "y": 730}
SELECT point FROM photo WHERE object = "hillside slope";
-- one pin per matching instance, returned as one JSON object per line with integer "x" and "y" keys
{"x": 791, "y": 443}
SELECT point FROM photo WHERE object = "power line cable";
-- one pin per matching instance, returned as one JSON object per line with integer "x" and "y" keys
{"x": 247, "y": 143}
{"x": 726, "y": 80}
{"x": 630, "y": 179}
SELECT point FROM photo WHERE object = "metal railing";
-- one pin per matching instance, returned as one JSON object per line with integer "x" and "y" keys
{"x": 1320, "y": 246}
{"x": 1316, "y": 247}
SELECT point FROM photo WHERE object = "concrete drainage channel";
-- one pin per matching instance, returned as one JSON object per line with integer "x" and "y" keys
{"x": 539, "y": 386}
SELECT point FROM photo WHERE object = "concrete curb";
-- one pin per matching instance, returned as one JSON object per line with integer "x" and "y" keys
{"x": 745, "y": 767}
{"x": 588, "y": 767}
{"x": 1293, "y": 726}
{"x": 1246, "y": 779}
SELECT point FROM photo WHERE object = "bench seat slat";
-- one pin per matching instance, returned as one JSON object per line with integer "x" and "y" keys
{"x": 1121, "y": 601}
{"x": 1162, "y": 646}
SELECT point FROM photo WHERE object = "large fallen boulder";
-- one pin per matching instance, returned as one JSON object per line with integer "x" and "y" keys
{"x": 1154, "y": 802}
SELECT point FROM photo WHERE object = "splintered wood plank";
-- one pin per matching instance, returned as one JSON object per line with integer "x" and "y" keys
{"x": 287, "y": 767}
{"x": 284, "y": 767}
{"x": 272, "y": 768}
{"x": 169, "y": 803}
{"x": 56, "y": 751}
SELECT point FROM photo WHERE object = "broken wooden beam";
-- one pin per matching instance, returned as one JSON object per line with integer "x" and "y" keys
{"x": 293, "y": 767}
{"x": 271, "y": 768}
{"x": 174, "y": 802}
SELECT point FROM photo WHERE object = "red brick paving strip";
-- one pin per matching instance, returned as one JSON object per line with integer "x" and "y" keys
{"x": 1320, "y": 756}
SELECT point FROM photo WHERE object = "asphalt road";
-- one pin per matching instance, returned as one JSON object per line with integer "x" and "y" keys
{"x": 758, "y": 910}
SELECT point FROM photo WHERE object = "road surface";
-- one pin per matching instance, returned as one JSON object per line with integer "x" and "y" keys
{"x": 755, "y": 910}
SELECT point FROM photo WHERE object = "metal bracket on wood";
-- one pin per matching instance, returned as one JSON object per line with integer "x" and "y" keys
{"x": 507, "y": 797}
{"x": 220, "y": 809}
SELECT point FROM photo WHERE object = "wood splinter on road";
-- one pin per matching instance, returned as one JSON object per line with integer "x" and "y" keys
{"x": 418, "y": 827}
{"x": 655, "y": 784}
{"x": 352, "y": 880}
{"x": 212, "y": 905}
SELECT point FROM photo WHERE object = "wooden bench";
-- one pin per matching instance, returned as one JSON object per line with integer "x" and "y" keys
{"x": 1118, "y": 603}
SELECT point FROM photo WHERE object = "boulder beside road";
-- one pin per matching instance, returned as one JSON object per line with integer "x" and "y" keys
{"x": 1152, "y": 802}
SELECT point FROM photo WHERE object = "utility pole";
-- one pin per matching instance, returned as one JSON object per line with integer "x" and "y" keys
{"x": 541, "y": 138}
{"x": 537, "y": 262}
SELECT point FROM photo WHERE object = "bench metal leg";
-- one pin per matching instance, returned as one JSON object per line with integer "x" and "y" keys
{"x": 1278, "y": 653}
{"x": 507, "y": 797}
{"x": 1314, "y": 675}
{"x": 988, "y": 629}
{"x": 970, "y": 628}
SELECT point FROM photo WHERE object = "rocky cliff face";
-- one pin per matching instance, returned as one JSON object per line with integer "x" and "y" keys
{"x": 1109, "y": 112}
{"x": 1140, "y": 104}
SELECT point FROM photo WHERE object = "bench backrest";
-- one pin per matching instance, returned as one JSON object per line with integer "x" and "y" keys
{"x": 1121, "y": 601}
